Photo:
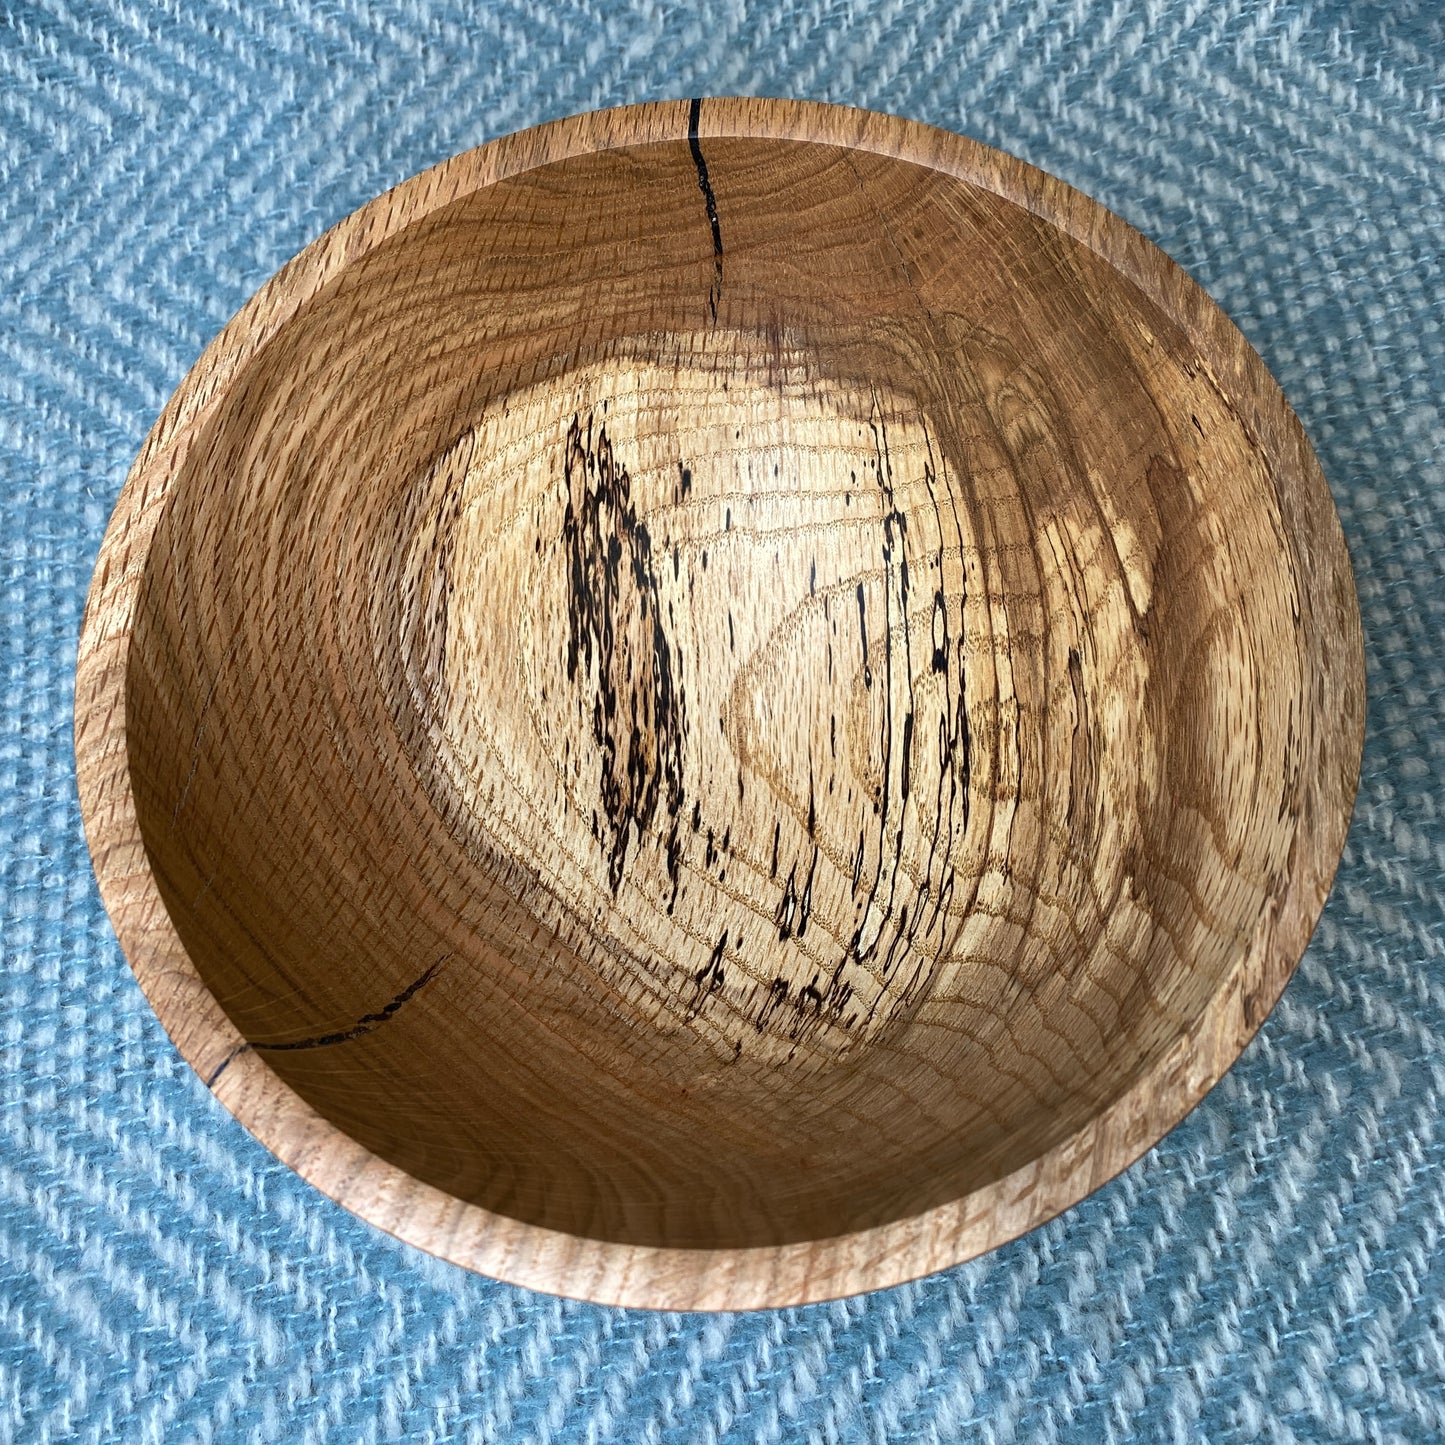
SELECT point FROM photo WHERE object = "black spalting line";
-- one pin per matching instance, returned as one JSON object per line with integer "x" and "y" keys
{"x": 809, "y": 1009}
{"x": 638, "y": 710}
{"x": 953, "y": 736}
{"x": 959, "y": 741}
{"x": 787, "y": 906}
{"x": 796, "y": 908}
{"x": 863, "y": 636}
{"x": 710, "y": 976}
{"x": 674, "y": 865}
{"x": 883, "y": 466}
{"x": 705, "y": 186}
{"x": 812, "y": 1008}
{"x": 899, "y": 929}
{"x": 904, "y": 923}
{"x": 777, "y": 996}
{"x": 895, "y": 539}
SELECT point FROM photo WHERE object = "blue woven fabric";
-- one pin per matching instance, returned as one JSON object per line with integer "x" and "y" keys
{"x": 1272, "y": 1270}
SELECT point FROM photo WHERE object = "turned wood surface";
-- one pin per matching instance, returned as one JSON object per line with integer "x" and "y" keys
{"x": 719, "y": 704}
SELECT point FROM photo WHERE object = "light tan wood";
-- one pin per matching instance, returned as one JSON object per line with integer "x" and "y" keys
{"x": 719, "y": 705}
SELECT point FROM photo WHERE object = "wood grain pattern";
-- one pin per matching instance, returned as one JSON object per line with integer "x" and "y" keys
{"x": 719, "y": 704}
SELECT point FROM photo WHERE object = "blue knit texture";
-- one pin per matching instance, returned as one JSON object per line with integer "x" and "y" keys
{"x": 1271, "y": 1271}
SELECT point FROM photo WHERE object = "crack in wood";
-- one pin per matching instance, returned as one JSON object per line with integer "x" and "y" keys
{"x": 705, "y": 186}
{"x": 363, "y": 1026}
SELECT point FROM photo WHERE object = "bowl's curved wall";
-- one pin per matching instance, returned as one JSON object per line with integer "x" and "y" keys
{"x": 716, "y": 692}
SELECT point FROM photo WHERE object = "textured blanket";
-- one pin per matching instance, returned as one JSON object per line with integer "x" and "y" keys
{"x": 1272, "y": 1270}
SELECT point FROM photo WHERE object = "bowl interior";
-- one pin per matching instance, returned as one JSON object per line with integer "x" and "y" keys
{"x": 717, "y": 700}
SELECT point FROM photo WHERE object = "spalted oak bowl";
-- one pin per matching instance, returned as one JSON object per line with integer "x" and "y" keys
{"x": 719, "y": 704}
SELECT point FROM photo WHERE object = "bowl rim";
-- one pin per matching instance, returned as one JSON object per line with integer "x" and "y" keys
{"x": 647, "y": 1276}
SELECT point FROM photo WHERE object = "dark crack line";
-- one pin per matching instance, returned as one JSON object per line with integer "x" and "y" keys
{"x": 705, "y": 186}
{"x": 364, "y": 1025}
{"x": 226, "y": 1063}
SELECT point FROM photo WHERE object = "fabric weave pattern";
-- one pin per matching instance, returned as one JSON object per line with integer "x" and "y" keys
{"x": 1270, "y": 1271}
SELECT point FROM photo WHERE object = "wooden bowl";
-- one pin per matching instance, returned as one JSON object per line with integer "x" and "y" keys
{"x": 719, "y": 704}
